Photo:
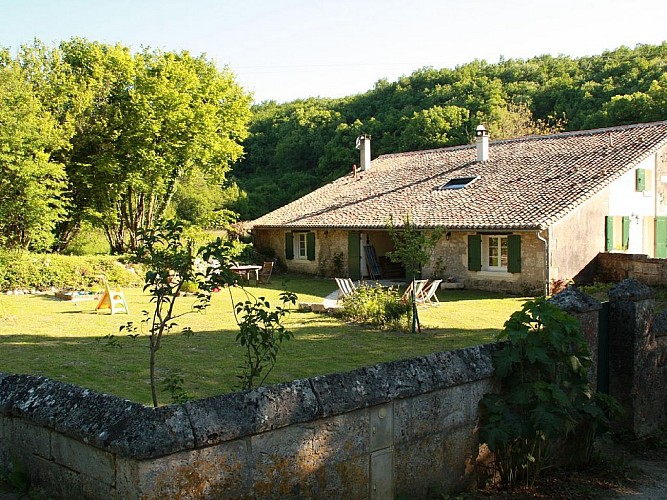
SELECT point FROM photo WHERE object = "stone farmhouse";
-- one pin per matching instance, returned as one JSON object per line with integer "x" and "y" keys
{"x": 517, "y": 214}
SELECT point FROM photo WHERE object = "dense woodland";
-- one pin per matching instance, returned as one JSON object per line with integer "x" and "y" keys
{"x": 93, "y": 135}
{"x": 300, "y": 145}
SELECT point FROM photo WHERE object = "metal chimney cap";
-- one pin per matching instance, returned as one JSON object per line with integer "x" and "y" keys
{"x": 481, "y": 131}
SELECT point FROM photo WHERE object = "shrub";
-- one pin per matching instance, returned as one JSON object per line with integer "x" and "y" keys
{"x": 545, "y": 394}
{"x": 376, "y": 306}
{"x": 88, "y": 241}
{"x": 26, "y": 270}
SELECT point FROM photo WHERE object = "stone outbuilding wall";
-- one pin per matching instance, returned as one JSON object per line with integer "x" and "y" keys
{"x": 377, "y": 432}
{"x": 615, "y": 267}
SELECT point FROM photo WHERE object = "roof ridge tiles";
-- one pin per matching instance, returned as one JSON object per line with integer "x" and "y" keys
{"x": 533, "y": 137}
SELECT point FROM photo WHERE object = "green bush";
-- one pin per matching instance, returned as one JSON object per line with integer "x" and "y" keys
{"x": 89, "y": 241}
{"x": 545, "y": 396}
{"x": 376, "y": 306}
{"x": 26, "y": 270}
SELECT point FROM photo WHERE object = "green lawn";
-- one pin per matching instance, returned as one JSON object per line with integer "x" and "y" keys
{"x": 65, "y": 340}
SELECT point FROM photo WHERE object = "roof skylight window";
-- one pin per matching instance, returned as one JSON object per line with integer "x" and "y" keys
{"x": 458, "y": 183}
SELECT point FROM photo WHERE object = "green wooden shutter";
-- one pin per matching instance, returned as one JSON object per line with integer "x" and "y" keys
{"x": 310, "y": 246}
{"x": 661, "y": 237}
{"x": 354, "y": 254}
{"x": 289, "y": 246}
{"x": 625, "y": 242}
{"x": 609, "y": 233}
{"x": 640, "y": 179}
{"x": 474, "y": 252}
{"x": 514, "y": 253}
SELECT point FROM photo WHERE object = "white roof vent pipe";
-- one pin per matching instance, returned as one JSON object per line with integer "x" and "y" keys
{"x": 364, "y": 146}
{"x": 482, "y": 139}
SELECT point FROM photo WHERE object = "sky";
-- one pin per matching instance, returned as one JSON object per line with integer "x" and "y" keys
{"x": 291, "y": 49}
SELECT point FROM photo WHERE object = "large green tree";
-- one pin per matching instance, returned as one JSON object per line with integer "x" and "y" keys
{"x": 163, "y": 115}
{"x": 32, "y": 184}
{"x": 138, "y": 123}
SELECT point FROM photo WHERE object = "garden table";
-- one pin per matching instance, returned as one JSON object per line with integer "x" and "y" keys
{"x": 245, "y": 271}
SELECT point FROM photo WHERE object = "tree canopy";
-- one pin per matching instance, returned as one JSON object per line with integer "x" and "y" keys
{"x": 135, "y": 125}
{"x": 32, "y": 184}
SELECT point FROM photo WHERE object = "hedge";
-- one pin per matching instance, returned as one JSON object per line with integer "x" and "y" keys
{"x": 30, "y": 271}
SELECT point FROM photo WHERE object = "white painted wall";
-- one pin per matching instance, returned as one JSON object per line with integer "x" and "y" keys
{"x": 625, "y": 200}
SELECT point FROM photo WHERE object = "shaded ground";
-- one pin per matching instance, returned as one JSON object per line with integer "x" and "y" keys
{"x": 625, "y": 469}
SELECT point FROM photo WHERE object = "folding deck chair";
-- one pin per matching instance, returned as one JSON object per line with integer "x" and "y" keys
{"x": 419, "y": 287}
{"x": 345, "y": 287}
{"x": 265, "y": 272}
{"x": 427, "y": 297}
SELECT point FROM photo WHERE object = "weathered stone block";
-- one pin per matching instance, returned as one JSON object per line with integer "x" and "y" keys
{"x": 230, "y": 416}
{"x": 24, "y": 437}
{"x": 220, "y": 471}
{"x": 381, "y": 426}
{"x": 461, "y": 366}
{"x": 102, "y": 420}
{"x": 373, "y": 385}
{"x": 461, "y": 450}
{"x": 83, "y": 459}
{"x": 56, "y": 481}
{"x": 419, "y": 464}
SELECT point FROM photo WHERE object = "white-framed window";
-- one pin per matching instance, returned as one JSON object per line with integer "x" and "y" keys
{"x": 494, "y": 253}
{"x": 300, "y": 246}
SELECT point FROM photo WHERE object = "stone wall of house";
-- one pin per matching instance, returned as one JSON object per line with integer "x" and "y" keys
{"x": 450, "y": 260}
{"x": 615, "y": 267}
{"x": 330, "y": 251}
{"x": 660, "y": 184}
{"x": 377, "y": 432}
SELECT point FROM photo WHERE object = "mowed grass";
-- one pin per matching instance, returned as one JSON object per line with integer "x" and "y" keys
{"x": 65, "y": 340}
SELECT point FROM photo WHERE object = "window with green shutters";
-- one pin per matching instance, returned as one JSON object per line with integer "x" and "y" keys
{"x": 300, "y": 245}
{"x": 640, "y": 180}
{"x": 617, "y": 232}
{"x": 495, "y": 253}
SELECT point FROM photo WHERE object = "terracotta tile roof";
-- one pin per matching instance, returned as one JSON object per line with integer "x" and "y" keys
{"x": 527, "y": 183}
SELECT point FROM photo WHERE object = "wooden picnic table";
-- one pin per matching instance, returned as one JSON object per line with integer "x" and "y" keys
{"x": 245, "y": 271}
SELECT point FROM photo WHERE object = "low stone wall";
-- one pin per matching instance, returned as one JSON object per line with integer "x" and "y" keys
{"x": 400, "y": 427}
{"x": 615, "y": 267}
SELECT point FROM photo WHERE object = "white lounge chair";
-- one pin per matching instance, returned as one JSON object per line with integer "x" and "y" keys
{"x": 419, "y": 287}
{"x": 428, "y": 295}
{"x": 345, "y": 287}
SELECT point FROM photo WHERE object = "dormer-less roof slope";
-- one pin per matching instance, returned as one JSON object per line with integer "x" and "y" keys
{"x": 527, "y": 183}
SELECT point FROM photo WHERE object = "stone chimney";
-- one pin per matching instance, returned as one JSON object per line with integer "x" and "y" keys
{"x": 482, "y": 139}
{"x": 364, "y": 146}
